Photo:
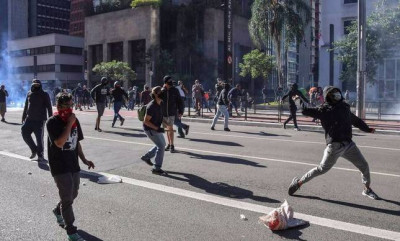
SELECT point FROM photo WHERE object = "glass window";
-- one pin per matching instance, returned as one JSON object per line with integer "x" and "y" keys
{"x": 350, "y": 1}
{"x": 390, "y": 69}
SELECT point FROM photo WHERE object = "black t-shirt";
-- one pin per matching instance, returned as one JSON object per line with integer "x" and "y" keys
{"x": 63, "y": 160}
{"x": 154, "y": 110}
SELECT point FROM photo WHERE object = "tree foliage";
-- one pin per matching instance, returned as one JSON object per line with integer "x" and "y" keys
{"x": 153, "y": 3}
{"x": 279, "y": 21}
{"x": 257, "y": 64}
{"x": 383, "y": 35}
{"x": 116, "y": 71}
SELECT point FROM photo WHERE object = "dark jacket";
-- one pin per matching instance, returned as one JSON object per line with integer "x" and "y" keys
{"x": 3, "y": 95}
{"x": 145, "y": 97}
{"x": 234, "y": 94}
{"x": 172, "y": 103}
{"x": 99, "y": 93}
{"x": 293, "y": 92}
{"x": 119, "y": 94}
{"x": 336, "y": 119}
{"x": 223, "y": 98}
{"x": 36, "y": 105}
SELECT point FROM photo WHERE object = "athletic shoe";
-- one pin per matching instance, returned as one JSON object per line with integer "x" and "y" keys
{"x": 172, "y": 149}
{"x": 160, "y": 172}
{"x": 99, "y": 130}
{"x": 297, "y": 129}
{"x": 112, "y": 125}
{"x": 122, "y": 122}
{"x": 227, "y": 129}
{"x": 147, "y": 160}
{"x": 168, "y": 147}
{"x": 41, "y": 159}
{"x": 33, "y": 155}
{"x": 75, "y": 237}
{"x": 294, "y": 186}
{"x": 212, "y": 128}
{"x": 3, "y": 120}
{"x": 59, "y": 218}
{"x": 187, "y": 130}
{"x": 369, "y": 193}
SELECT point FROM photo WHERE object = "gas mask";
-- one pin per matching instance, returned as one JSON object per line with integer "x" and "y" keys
{"x": 35, "y": 88}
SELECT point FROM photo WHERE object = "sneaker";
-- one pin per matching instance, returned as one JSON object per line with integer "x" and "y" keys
{"x": 41, "y": 159}
{"x": 212, "y": 128}
{"x": 33, "y": 155}
{"x": 187, "y": 130}
{"x": 168, "y": 147}
{"x": 3, "y": 120}
{"x": 122, "y": 122}
{"x": 160, "y": 172}
{"x": 59, "y": 218}
{"x": 99, "y": 130}
{"x": 227, "y": 129}
{"x": 147, "y": 160}
{"x": 172, "y": 150}
{"x": 369, "y": 193}
{"x": 112, "y": 125}
{"x": 297, "y": 129}
{"x": 75, "y": 237}
{"x": 294, "y": 186}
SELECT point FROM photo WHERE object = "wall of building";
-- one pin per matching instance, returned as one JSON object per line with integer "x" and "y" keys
{"x": 121, "y": 26}
{"x": 17, "y": 19}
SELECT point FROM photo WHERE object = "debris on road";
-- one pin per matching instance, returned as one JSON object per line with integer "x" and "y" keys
{"x": 29, "y": 173}
{"x": 281, "y": 218}
{"x": 84, "y": 183}
{"x": 242, "y": 217}
{"x": 109, "y": 180}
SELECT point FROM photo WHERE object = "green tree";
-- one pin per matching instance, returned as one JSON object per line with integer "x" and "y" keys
{"x": 138, "y": 3}
{"x": 257, "y": 64}
{"x": 282, "y": 21}
{"x": 383, "y": 34}
{"x": 115, "y": 71}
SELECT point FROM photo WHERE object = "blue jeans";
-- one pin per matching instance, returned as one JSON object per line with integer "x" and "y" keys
{"x": 158, "y": 150}
{"x": 222, "y": 109}
{"x": 181, "y": 126}
{"x": 36, "y": 127}
{"x": 117, "y": 108}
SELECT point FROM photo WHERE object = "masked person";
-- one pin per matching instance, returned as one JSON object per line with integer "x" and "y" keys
{"x": 337, "y": 120}
{"x": 152, "y": 127}
{"x": 293, "y": 92}
{"x": 172, "y": 106}
{"x": 64, "y": 149}
{"x": 118, "y": 94}
{"x": 222, "y": 108}
{"x": 37, "y": 109}
{"x": 3, "y": 102}
{"x": 99, "y": 93}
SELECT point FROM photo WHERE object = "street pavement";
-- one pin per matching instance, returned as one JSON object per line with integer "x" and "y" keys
{"x": 213, "y": 178}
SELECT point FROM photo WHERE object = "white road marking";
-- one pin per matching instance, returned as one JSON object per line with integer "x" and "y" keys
{"x": 325, "y": 222}
{"x": 242, "y": 156}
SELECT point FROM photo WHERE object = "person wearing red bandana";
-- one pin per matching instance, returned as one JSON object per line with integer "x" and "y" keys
{"x": 64, "y": 150}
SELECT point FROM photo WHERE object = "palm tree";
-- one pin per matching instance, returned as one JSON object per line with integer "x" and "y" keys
{"x": 283, "y": 21}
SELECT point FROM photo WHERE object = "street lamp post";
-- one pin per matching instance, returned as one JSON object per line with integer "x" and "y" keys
{"x": 228, "y": 42}
{"x": 361, "y": 62}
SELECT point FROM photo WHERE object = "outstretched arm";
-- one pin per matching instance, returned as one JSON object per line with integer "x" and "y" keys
{"x": 360, "y": 124}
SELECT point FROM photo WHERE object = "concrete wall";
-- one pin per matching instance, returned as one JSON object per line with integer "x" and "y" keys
{"x": 122, "y": 26}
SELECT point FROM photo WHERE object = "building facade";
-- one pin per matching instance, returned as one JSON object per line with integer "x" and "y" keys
{"x": 79, "y": 9}
{"x": 55, "y": 59}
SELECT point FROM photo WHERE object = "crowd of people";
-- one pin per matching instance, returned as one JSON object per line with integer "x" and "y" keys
{"x": 164, "y": 108}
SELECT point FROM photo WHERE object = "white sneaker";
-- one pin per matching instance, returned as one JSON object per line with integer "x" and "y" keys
{"x": 297, "y": 129}
{"x": 369, "y": 193}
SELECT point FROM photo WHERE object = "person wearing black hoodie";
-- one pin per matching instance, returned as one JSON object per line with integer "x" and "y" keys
{"x": 99, "y": 93}
{"x": 37, "y": 109}
{"x": 293, "y": 92}
{"x": 118, "y": 94}
{"x": 172, "y": 105}
{"x": 222, "y": 106}
{"x": 337, "y": 120}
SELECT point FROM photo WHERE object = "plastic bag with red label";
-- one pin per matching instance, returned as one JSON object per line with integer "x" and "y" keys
{"x": 281, "y": 218}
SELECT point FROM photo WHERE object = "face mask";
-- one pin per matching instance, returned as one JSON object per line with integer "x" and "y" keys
{"x": 337, "y": 96}
{"x": 35, "y": 88}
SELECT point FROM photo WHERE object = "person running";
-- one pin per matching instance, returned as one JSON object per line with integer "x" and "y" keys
{"x": 172, "y": 105}
{"x": 118, "y": 94}
{"x": 337, "y": 120}
{"x": 145, "y": 95}
{"x": 222, "y": 108}
{"x": 293, "y": 92}
{"x": 64, "y": 148}
{"x": 37, "y": 103}
{"x": 152, "y": 127}
{"x": 99, "y": 93}
{"x": 3, "y": 102}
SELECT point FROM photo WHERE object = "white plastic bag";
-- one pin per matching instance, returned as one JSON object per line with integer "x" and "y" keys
{"x": 109, "y": 180}
{"x": 281, "y": 218}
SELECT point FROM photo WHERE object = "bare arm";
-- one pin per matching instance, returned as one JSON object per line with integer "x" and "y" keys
{"x": 83, "y": 158}
{"x": 147, "y": 122}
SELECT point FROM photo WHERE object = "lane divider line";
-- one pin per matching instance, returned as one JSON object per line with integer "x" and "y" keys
{"x": 325, "y": 222}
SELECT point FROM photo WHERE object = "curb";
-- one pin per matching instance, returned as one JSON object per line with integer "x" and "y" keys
{"x": 278, "y": 125}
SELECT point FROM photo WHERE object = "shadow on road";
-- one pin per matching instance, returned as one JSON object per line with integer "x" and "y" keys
{"x": 218, "y": 188}
{"x": 355, "y": 205}
{"x": 131, "y": 129}
{"x": 261, "y": 133}
{"x": 226, "y": 159}
{"x": 223, "y": 143}
{"x": 87, "y": 236}
{"x": 125, "y": 134}
{"x": 13, "y": 123}
{"x": 293, "y": 234}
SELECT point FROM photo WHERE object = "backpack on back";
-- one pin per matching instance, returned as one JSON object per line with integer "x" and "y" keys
{"x": 142, "y": 112}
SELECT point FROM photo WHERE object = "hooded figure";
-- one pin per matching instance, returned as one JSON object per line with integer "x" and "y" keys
{"x": 293, "y": 92}
{"x": 118, "y": 94}
{"x": 3, "y": 105}
{"x": 337, "y": 120}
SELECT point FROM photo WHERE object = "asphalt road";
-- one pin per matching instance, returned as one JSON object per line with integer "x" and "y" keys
{"x": 214, "y": 178}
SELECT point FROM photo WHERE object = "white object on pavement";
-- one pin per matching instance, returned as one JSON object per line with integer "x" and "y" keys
{"x": 109, "y": 179}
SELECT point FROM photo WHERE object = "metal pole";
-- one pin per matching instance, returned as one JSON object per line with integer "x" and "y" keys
{"x": 361, "y": 63}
